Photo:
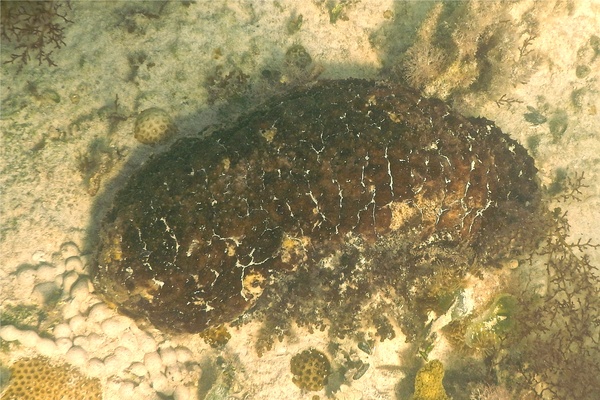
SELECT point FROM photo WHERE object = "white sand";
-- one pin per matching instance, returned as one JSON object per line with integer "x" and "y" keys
{"x": 46, "y": 207}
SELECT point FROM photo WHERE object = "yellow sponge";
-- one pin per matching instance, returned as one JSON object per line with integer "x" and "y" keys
{"x": 428, "y": 382}
{"x": 40, "y": 379}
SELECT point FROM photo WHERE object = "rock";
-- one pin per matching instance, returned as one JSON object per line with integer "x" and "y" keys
{"x": 77, "y": 356}
{"x": 9, "y": 333}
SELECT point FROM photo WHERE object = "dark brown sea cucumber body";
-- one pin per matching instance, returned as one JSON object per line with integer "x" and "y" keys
{"x": 198, "y": 231}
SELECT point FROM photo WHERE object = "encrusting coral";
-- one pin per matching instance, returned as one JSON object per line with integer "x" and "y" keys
{"x": 41, "y": 379}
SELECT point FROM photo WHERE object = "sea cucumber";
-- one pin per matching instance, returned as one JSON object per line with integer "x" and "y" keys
{"x": 197, "y": 234}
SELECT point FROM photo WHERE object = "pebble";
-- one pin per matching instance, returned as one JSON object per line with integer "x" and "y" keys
{"x": 26, "y": 278}
{"x": 77, "y": 356}
{"x": 347, "y": 393}
{"x": 182, "y": 393}
{"x": 74, "y": 263}
{"x": 81, "y": 288}
{"x": 144, "y": 391}
{"x": 86, "y": 261}
{"x": 138, "y": 369}
{"x": 122, "y": 354}
{"x": 81, "y": 341}
{"x": 58, "y": 265}
{"x": 69, "y": 249}
{"x": 160, "y": 383}
{"x": 146, "y": 342}
{"x": 95, "y": 367}
{"x": 168, "y": 356}
{"x": 115, "y": 326}
{"x": 112, "y": 365}
{"x": 39, "y": 256}
{"x": 46, "y": 273}
{"x": 95, "y": 341}
{"x": 71, "y": 309}
{"x": 63, "y": 345}
{"x": 59, "y": 280}
{"x": 44, "y": 292}
{"x": 111, "y": 389}
{"x": 129, "y": 341}
{"x": 62, "y": 330}
{"x": 9, "y": 333}
{"x": 153, "y": 363}
{"x": 84, "y": 305}
{"x": 127, "y": 390}
{"x": 46, "y": 347}
{"x": 69, "y": 278}
{"x": 28, "y": 338}
{"x": 174, "y": 374}
{"x": 77, "y": 324}
{"x": 100, "y": 312}
{"x": 183, "y": 354}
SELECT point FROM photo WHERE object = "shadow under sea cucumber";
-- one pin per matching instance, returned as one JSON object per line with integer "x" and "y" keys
{"x": 200, "y": 231}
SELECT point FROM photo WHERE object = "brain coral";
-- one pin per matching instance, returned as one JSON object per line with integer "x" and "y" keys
{"x": 39, "y": 379}
{"x": 153, "y": 126}
{"x": 199, "y": 232}
{"x": 310, "y": 369}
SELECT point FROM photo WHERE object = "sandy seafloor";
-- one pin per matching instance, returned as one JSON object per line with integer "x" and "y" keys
{"x": 160, "y": 55}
